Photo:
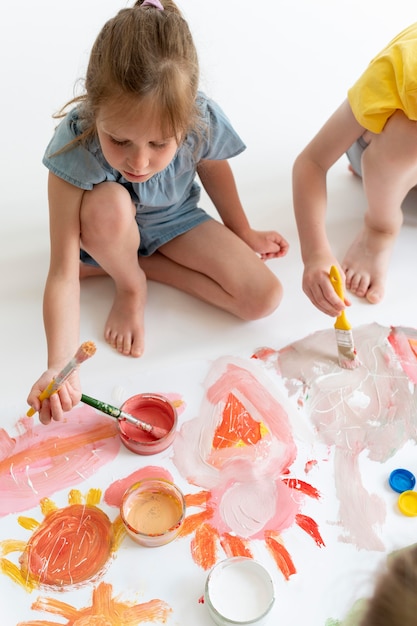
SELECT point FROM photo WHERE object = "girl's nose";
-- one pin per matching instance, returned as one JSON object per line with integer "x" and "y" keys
{"x": 138, "y": 160}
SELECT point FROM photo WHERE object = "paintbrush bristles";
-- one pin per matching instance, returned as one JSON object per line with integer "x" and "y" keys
{"x": 85, "y": 351}
{"x": 346, "y": 349}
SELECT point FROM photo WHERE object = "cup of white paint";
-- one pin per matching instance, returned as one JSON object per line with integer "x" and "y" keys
{"x": 239, "y": 590}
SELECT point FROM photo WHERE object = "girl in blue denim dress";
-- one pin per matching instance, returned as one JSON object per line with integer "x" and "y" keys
{"x": 123, "y": 195}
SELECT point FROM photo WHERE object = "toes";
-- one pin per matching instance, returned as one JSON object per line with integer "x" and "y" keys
{"x": 360, "y": 286}
{"x": 137, "y": 348}
{"x": 124, "y": 344}
{"x": 375, "y": 294}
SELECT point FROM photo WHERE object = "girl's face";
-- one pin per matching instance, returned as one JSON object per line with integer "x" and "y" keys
{"x": 133, "y": 144}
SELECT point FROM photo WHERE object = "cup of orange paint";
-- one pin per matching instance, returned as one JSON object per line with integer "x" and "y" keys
{"x": 239, "y": 590}
{"x": 154, "y": 409}
{"x": 153, "y": 511}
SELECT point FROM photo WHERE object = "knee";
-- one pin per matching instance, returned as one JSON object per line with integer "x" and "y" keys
{"x": 261, "y": 300}
{"x": 104, "y": 211}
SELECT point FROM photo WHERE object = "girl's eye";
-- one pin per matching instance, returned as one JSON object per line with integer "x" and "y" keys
{"x": 159, "y": 146}
{"x": 118, "y": 143}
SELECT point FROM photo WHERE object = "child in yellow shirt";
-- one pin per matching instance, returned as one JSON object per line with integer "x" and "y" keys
{"x": 376, "y": 127}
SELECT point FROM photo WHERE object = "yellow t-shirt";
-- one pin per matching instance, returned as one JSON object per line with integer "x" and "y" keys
{"x": 388, "y": 84}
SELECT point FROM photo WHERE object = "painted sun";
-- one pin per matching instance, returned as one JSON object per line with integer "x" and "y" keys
{"x": 105, "y": 610}
{"x": 239, "y": 452}
{"x": 70, "y": 546}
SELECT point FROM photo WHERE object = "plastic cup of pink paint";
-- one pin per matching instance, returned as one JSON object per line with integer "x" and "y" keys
{"x": 239, "y": 590}
{"x": 154, "y": 409}
{"x": 153, "y": 511}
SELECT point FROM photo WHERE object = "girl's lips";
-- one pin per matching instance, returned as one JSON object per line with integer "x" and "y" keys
{"x": 134, "y": 177}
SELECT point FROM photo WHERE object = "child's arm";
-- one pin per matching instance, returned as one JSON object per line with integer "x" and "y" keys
{"x": 310, "y": 203}
{"x": 61, "y": 304}
{"x": 218, "y": 181}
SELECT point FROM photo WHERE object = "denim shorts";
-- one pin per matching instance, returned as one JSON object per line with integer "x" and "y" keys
{"x": 156, "y": 234}
{"x": 354, "y": 154}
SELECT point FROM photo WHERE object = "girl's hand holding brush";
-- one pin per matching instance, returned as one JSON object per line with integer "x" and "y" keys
{"x": 52, "y": 395}
{"x": 54, "y": 406}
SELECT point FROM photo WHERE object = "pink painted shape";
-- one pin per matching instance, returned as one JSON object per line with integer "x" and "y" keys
{"x": 367, "y": 409}
{"x": 399, "y": 340}
{"x": 114, "y": 494}
{"x": 44, "y": 459}
{"x": 247, "y": 495}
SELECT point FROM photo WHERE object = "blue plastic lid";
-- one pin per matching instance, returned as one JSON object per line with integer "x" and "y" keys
{"x": 402, "y": 480}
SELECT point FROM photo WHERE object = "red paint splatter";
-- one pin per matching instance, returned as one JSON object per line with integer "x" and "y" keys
{"x": 309, "y": 466}
{"x": 301, "y": 485}
{"x": 310, "y": 527}
{"x": 263, "y": 353}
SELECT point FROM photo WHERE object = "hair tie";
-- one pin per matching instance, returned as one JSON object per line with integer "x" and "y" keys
{"x": 153, "y": 3}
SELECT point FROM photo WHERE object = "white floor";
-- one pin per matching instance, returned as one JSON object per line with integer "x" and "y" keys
{"x": 278, "y": 70}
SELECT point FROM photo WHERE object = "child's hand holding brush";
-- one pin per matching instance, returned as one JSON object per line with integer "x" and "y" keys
{"x": 51, "y": 395}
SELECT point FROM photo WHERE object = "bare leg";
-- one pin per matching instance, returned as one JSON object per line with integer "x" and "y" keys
{"x": 110, "y": 234}
{"x": 389, "y": 167}
{"x": 213, "y": 264}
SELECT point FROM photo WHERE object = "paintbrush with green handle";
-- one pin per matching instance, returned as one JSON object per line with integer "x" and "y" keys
{"x": 113, "y": 411}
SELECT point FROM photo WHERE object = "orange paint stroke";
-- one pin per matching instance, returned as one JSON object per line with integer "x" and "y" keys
{"x": 301, "y": 485}
{"x": 197, "y": 499}
{"x": 41, "y": 460}
{"x": 203, "y": 546}
{"x": 235, "y": 546}
{"x": 192, "y": 522}
{"x": 280, "y": 554}
{"x": 310, "y": 527}
{"x": 237, "y": 426}
{"x": 104, "y": 610}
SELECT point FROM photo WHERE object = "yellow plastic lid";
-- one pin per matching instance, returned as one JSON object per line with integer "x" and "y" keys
{"x": 407, "y": 503}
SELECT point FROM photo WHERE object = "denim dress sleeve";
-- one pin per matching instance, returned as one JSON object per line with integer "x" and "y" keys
{"x": 219, "y": 139}
{"x": 81, "y": 166}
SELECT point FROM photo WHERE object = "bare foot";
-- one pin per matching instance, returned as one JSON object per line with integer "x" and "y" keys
{"x": 352, "y": 171}
{"x": 366, "y": 264}
{"x": 87, "y": 270}
{"x": 124, "y": 328}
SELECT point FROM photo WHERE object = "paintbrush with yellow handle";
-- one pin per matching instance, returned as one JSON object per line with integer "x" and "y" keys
{"x": 83, "y": 353}
{"x": 344, "y": 338}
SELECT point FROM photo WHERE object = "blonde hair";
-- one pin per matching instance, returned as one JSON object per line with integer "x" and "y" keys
{"x": 143, "y": 57}
{"x": 394, "y": 602}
